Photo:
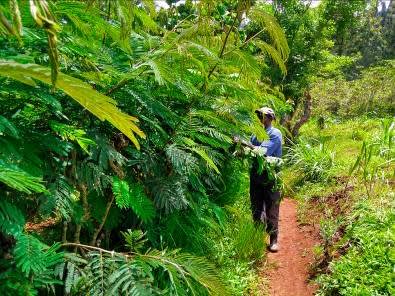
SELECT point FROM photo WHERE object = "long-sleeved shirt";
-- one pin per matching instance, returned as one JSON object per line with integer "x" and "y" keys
{"x": 273, "y": 145}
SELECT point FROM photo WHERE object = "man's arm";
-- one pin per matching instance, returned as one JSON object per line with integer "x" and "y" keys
{"x": 271, "y": 145}
{"x": 254, "y": 141}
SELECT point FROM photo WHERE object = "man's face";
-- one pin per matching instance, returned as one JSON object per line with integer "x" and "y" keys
{"x": 266, "y": 120}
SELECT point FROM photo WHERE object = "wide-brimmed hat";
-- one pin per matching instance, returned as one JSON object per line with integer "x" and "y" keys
{"x": 266, "y": 111}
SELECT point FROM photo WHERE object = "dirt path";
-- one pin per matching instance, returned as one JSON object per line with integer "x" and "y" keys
{"x": 287, "y": 270}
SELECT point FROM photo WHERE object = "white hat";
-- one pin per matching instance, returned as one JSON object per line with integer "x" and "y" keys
{"x": 266, "y": 111}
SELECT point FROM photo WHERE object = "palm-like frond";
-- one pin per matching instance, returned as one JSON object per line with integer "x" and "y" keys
{"x": 271, "y": 26}
{"x": 20, "y": 180}
{"x": 181, "y": 266}
{"x": 98, "y": 104}
{"x": 112, "y": 273}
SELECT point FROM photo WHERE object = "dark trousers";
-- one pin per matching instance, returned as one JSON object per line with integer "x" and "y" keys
{"x": 265, "y": 204}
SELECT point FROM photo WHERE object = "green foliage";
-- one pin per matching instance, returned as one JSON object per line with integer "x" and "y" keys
{"x": 60, "y": 199}
{"x": 343, "y": 17}
{"x": 20, "y": 180}
{"x": 11, "y": 219}
{"x": 133, "y": 273}
{"x": 308, "y": 36}
{"x": 369, "y": 162}
{"x": 192, "y": 86}
{"x": 133, "y": 197}
{"x": 32, "y": 263}
{"x": 249, "y": 242}
{"x": 355, "y": 211}
{"x": 73, "y": 134}
{"x": 135, "y": 239}
{"x": 33, "y": 257}
{"x": 6, "y": 127}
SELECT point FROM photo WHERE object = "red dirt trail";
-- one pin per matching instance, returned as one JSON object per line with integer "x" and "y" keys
{"x": 287, "y": 270}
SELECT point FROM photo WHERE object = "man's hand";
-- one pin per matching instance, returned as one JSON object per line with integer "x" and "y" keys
{"x": 236, "y": 139}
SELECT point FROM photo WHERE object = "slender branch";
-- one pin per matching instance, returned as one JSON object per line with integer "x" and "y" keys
{"x": 127, "y": 255}
{"x": 223, "y": 45}
{"x": 104, "y": 219}
{"x": 85, "y": 217}
{"x": 64, "y": 231}
{"x": 78, "y": 245}
{"x": 245, "y": 42}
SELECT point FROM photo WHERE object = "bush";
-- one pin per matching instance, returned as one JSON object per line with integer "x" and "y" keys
{"x": 367, "y": 267}
{"x": 372, "y": 93}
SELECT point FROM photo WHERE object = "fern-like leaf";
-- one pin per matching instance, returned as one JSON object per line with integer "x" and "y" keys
{"x": 169, "y": 193}
{"x": 273, "y": 53}
{"x": 59, "y": 199}
{"x": 274, "y": 30}
{"x": 34, "y": 257}
{"x": 11, "y": 219}
{"x": 133, "y": 197}
{"x": 71, "y": 133}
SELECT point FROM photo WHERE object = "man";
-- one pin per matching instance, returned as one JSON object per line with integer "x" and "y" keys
{"x": 265, "y": 203}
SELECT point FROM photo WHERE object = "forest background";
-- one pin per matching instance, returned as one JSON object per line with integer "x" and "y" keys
{"x": 117, "y": 167}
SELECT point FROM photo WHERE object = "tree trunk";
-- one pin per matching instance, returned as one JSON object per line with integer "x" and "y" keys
{"x": 305, "y": 117}
{"x": 84, "y": 197}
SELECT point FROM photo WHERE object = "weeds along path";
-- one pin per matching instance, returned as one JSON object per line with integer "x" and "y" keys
{"x": 287, "y": 270}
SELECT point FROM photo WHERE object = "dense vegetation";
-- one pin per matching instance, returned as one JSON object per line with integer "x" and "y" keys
{"x": 117, "y": 168}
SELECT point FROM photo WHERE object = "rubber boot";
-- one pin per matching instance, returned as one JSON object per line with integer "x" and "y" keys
{"x": 273, "y": 247}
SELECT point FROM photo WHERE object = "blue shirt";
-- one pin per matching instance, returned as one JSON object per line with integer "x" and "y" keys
{"x": 273, "y": 145}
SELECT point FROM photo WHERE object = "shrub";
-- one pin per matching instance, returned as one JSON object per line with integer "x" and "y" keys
{"x": 367, "y": 267}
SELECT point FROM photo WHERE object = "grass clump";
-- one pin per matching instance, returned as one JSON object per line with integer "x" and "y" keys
{"x": 313, "y": 162}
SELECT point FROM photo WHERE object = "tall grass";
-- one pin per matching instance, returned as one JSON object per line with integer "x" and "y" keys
{"x": 249, "y": 243}
{"x": 238, "y": 245}
{"x": 313, "y": 162}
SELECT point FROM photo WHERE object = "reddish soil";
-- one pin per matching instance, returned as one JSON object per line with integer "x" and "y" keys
{"x": 288, "y": 270}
